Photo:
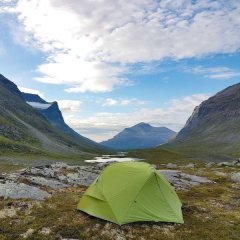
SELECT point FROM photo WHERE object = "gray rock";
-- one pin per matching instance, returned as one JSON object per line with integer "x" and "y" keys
{"x": 45, "y": 231}
{"x": 62, "y": 178}
{"x": 171, "y": 165}
{"x": 236, "y": 163}
{"x": 28, "y": 233}
{"x": 225, "y": 164}
{"x": 190, "y": 165}
{"x": 235, "y": 177}
{"x": 193, "y": 178}
{"x": 21, "y": 190}
{"x": 54, "y": 184}
{"x": 59, "y": 165}
{"x": 221, "y": 174}
{"x": 55, "y": 176}
{"x": 210, "y": 164}
{"x": 44, "y": 171}
{"x": 84, "y": 178}
{"x": 80, "y": 175}
{"x": 183, "y": 181}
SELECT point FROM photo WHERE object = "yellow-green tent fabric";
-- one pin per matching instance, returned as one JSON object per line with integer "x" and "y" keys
{"x": 131, "y": 192}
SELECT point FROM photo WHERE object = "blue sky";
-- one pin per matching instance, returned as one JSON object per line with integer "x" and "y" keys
{"x": 111, "y": 64}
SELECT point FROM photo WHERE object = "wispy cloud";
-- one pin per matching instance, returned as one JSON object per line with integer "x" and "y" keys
{"x": 110, "y": 102}
{"x": 214, "y": 72}
{"x": 91, "y": 45}
{"x": 69, "y": 107}
{"x": 104, "y": 125}
{"x": 30, "y": 90}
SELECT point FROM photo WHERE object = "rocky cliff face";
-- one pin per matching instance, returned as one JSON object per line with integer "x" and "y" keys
{"x": 54, "y": 115}
{"x": 140, "y": 136}
{"x": 222, "y": 107}
{"x": 214, "y": 125}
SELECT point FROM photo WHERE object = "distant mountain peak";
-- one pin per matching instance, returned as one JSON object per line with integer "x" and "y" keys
{"x": 142, "y": 125}
{"x": 141, "y": 135}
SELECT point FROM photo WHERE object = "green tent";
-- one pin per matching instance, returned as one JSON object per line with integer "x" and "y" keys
{"x": 130, "y": 192}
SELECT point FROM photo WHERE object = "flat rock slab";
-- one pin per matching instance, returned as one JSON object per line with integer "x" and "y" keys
{"x": 183, "y": 181}
{"x": 21, "y": 190}
{"x": 63, "y": 175}
{"x": 51, "y": 183}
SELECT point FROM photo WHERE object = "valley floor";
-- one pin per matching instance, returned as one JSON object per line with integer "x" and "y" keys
{"x": 211, "y": 210}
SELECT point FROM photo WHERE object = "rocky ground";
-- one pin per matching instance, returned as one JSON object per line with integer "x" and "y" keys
{"x": 40, "y": 203}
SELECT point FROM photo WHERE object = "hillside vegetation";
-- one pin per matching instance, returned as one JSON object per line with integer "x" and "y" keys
{"x": 24, "y": 130}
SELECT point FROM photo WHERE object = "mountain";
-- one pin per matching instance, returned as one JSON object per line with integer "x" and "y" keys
{"x": 139, "y": 136}
{"x": 214, "y": 127}
{"x": 23, "y": 129}
{"x": 53, "y": 114}
{"x": 29, "y": 97}
{"x": 10, "y": 87}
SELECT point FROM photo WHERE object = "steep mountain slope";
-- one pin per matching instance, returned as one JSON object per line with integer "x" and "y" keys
{"x": 214, "y": 127}
{"x": 29, "y": 97}
{"x": 53, "y": 114}
{"x": 140, "y": 136}
{"x": 24, "y": 129}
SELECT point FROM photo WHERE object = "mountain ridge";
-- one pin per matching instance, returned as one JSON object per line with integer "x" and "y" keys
{"x": 54, "y": 115}
{"x": 213, "y": 128}
{"x": 141, "y": 135}
{"x": 25, "y": 129}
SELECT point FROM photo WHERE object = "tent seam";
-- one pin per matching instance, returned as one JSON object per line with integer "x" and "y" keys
{"x": 164, "y": 196}
{"x": 138, "y": 194}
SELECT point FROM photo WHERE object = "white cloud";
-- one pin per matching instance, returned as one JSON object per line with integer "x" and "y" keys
{"x": 7, "y": 6}
{"x": 215, "y": 72}
{"x": 104, "y": 125}
{"x": 81, "y": 75}
{"x": 6, "y": 1}
{"x": 110, "y": 102}
{"x": 33, "y": 91}
{"x": 90, "y": 44}
{"x": 69, "y": 107}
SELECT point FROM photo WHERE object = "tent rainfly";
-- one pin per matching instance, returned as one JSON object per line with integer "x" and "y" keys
{"x": 131, "y": 192}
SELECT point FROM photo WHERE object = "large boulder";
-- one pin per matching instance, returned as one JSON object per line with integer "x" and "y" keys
{"x": 171, "y": 165}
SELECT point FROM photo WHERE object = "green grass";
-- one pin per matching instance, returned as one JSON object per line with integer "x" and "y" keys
{"x": 216, "y": 140}
{"x": 6, "y": 167}
{"x": 11, "y": 162}
{"x": 159, "y": 156}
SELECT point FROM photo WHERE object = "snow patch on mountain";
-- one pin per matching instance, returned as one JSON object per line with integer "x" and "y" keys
{"x": 38, "y": 105}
